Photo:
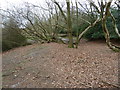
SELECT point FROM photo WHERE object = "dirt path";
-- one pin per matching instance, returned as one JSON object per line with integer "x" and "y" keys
{"x": 54, "y": 65}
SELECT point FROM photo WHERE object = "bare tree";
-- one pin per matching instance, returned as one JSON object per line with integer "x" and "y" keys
{"x": 104, "y": 14}
{"x": 68, "y": 21}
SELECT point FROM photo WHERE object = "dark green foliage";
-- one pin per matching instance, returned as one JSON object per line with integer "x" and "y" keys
{"x": 62, "y": 31}
{"x": 97, "y": 33}
{"x": 11, "y": 36}
{"x": 116, "y": 13}
{"x": 80, "y": 28}
{"x": 11, "y": 40}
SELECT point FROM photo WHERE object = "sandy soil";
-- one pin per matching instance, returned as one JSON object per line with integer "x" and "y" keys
{"x": 54, "y": 65}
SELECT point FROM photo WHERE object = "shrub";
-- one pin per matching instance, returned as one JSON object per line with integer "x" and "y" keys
{"x": 11, "y": 36}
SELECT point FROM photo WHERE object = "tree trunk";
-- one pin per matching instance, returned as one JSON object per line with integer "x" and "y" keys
{"x": 105, "y": 29}
{"x": 107, "y": 36}
{"x": 69, "y": 25}
{"x": 114, "y": 24}
{"x": 77, "y": 33}
{"x": 91, "y": 25}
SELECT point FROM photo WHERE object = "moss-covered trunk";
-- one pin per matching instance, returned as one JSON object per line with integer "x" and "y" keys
{"x": 69, "y": 25}
{"x": 105, "y": 29}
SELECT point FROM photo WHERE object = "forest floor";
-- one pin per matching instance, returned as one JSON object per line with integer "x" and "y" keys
{"x": 54, "y": 65}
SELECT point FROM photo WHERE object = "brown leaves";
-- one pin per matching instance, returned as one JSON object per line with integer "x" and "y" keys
{"x": 59, "y": 66}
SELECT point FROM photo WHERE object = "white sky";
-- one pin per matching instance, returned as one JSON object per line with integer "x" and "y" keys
{"x": 4, "y": 4}
{"x": 7, "y": 3}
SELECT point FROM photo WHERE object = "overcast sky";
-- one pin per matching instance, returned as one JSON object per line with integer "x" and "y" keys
{"x": 7, "y": 3}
